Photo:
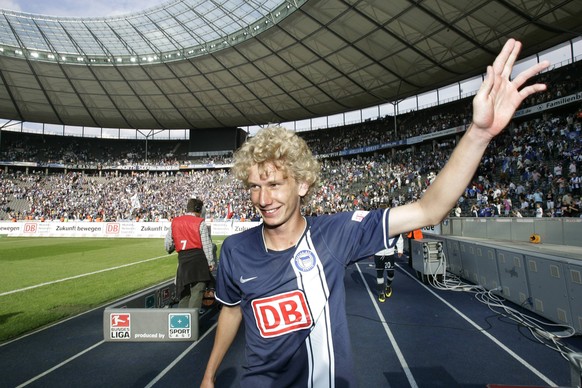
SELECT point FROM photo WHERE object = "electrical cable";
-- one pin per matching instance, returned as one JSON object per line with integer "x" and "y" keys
{"x": 537, "y": 328}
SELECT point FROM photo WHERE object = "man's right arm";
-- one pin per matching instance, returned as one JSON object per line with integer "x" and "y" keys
{"x": 228, "y": 325}
{"x": 207, "y": 245}
{"x": 169, "y": 241}
{"x": 399, "y": 245}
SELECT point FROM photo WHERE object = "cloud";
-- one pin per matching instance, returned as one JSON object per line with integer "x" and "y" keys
{"x": 12, "y": 5}
{"x": 79, "y": 8}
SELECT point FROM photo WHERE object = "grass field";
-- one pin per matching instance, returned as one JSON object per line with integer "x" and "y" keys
{"x": 44, "y": 280}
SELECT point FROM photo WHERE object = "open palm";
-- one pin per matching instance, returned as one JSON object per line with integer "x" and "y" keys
{"x": 499, "y": 96}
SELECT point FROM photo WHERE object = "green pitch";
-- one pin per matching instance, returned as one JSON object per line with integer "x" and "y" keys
{"x": 44, "y": 280}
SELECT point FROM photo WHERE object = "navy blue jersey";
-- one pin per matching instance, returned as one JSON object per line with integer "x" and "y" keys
{"x": 293, "y": 301}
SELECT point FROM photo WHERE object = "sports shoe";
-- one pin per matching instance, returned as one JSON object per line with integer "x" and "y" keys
{"x": 381, "y": 297}
{"x": 388, "y": 291}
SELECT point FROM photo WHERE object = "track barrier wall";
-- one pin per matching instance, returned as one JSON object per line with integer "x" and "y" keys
{"x": 499, "y": 254}
{"x": 559, "y": 231}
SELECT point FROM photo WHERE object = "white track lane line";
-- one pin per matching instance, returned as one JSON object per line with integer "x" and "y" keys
{"x": 151, "y": 383}
{"x": 180, "y": 357}
{"x": 399, "y": 354}
{"x": 485, "y": 333}
{"x": 59, "y": 365}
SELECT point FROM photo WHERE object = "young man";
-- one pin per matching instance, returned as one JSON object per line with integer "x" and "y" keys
{"x": 188, "y": 234}
{"x": 285, "y": 278}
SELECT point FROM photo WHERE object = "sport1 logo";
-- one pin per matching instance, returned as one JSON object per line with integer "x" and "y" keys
{"x": 281, "y": 314}
{"x": 179, "y": 325}
{"x": 120, "y": 325}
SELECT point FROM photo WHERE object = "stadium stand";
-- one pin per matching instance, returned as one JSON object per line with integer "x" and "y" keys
{"x": 531, "y": 170}
{"x": 47, "y": 177}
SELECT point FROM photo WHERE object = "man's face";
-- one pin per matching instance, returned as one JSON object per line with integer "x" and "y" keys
{"x": 275, "y": 196}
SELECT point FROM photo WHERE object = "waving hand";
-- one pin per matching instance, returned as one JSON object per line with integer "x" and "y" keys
{"x": 499, "y": 96}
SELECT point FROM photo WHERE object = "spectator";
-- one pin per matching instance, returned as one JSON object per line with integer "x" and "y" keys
{"x": 188, "y": 234}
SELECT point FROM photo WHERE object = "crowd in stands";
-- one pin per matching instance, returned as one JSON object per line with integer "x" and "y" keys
{"x": 94, "y": 153}
{"x": 531, "y": 170}
{"x": 561, "y": 82}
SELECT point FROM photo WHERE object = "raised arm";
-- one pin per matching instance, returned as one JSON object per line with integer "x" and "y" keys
{"x": 493, "y": 107}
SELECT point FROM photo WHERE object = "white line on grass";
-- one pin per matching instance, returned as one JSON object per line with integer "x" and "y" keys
{"x": 79, "y": 276}
{"x": 112, "y": 303}
{"x": 397, "y": 350}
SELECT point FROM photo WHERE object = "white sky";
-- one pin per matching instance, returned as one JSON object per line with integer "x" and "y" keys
{"x": 79, "y": 8}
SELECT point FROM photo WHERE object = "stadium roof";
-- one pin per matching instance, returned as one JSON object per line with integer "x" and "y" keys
{"x": 222, "y": 63}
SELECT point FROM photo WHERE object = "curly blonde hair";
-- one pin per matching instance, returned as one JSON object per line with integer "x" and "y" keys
{"x": 287, "y": 151}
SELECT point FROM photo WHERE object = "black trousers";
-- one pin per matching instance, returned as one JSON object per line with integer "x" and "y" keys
{"x": 384, "y": 264}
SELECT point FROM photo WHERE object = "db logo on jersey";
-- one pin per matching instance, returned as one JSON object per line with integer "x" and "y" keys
{"x": 281, "y": 314}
